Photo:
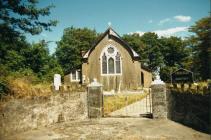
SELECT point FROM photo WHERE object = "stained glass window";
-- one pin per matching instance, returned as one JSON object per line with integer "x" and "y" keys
{"x": 118, "y": 65}
{"x": 111, "y": 65}
{"x": 111, "y": 61}
{"x": 104, "y": 64}
{"x": 110, "y": 50}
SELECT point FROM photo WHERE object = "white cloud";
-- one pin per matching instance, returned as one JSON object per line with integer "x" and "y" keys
{"x": 182, "y": 18}
{"x": 137, "y": 32}
{"x": 170, "y": 31}
{"x": 166, "y": 32}
{"x": 150, "y": 21}
{"x": 161, "y": 22}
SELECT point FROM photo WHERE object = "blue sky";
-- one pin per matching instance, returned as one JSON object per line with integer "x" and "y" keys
{"x": 165, "y": 17}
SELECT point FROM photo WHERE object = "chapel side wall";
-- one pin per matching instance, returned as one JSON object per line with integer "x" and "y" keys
{"x": 130, "y": 78}
{"x": 147, "y": 78}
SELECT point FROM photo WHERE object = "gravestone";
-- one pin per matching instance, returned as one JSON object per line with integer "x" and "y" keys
{"x": 57, "y": 81}
{"x": 95, "y": 100}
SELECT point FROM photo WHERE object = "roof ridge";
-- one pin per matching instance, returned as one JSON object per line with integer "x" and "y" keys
{"x": 111, "y": 32}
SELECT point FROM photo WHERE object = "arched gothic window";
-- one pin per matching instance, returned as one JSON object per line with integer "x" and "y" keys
{"x": 111, "y": 61}
{"x": 104, "y": 64}
{"x": 111, "y": 65}
{"x": 118, "y": 64}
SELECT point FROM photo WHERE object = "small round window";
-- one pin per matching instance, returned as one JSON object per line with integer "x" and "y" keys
{"x": 110, "y": 50}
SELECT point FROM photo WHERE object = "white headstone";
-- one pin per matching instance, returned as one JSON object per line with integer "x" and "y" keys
{"x": 57, "y": 81}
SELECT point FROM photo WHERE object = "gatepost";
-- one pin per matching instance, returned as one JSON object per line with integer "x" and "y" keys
{"x": 159, "y": 102}
{"x": 95, "y": 99}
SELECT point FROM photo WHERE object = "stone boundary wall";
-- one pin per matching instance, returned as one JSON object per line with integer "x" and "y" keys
{"x": 192, "y": 110}
{"x": 23, "y": 114}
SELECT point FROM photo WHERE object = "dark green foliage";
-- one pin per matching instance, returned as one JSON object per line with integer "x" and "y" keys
{"x": 174, "y": 51}
{"x": 25, "y": 58}
{"x": 138, "y": 45}
{"x": 148, "y": 47}
{"x": 176, "y": 54}
{"x": 18, "y": 58}
{"x": 167, "y": 53}
{"x": 153, "y": 51}
{"x": 19, "y": 16}
{"x": 12, "y": 53}
{"x": 41, "y": 63}
{"x": 73, "y": 42}
{"x": 202, "y": 47}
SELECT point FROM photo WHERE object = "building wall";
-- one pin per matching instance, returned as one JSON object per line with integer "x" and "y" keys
{"x": 68, "y": 78}
{"x": 130, "y": 78}
{"x": 147, "y": 78}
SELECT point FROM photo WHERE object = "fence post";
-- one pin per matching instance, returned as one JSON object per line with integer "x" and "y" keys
{"x": 159, "y": 103}
{"x": 95, "y": 99}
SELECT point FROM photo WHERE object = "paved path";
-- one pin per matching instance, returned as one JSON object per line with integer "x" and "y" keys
{"x": 112, "y": 129}
{"x": 134, "y": 110}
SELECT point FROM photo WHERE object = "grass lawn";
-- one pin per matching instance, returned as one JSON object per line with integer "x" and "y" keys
{"x": 115, "y": 102}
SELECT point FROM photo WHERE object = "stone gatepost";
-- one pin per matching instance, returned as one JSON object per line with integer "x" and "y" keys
{"x": 159, "y": 102}
{"x": 95, "y": 100}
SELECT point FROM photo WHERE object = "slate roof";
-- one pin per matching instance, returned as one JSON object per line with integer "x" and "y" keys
{"x": 112, "y": 34}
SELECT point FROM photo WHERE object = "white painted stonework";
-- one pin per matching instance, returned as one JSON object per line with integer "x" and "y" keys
{"x": 157, "y": 80}
{"x": 95, "y": 83}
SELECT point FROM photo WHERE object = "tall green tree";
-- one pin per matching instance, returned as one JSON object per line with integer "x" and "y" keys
{"x": 174, "y": 51}
{"x": 40, "y": 61}
{"x": 73, "y": 42}
{"x": 18, "y": 17}
{"x": 202, "y": 50}
{"x": 12, "y": 54}
{"x": 22, "y": 16}
{"x": 153, "y": 50}
{"x": 176, "y": 54}
{"x": 134, "y": 40}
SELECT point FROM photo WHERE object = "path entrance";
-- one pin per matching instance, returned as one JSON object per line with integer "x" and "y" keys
{"x": 128, "y": 105}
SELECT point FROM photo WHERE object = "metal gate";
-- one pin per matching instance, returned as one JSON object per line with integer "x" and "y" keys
{"x": 133, "y": 104}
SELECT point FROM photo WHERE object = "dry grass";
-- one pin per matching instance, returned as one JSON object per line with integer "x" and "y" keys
{"x": 112, "y": 103}
{"x": 22, "y": 88}
{"x": 194, "y": 88}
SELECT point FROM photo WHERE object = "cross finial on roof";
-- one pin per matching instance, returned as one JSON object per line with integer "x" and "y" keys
{"x": 109, "y": 24}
